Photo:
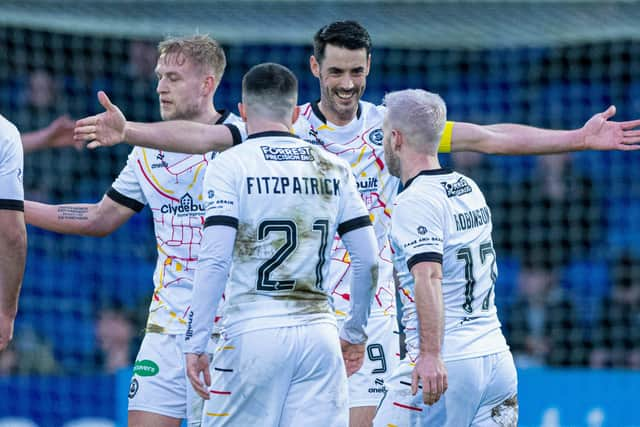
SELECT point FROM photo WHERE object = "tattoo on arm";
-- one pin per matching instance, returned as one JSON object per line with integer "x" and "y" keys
{"x": 73, "y": 213}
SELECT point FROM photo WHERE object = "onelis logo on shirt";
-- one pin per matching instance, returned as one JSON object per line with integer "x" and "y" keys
{"x": 145, "y": 368}
{"x": 187, "y": 206}
{"x": 314, "y": 138}
{"x": 162, "y": 164}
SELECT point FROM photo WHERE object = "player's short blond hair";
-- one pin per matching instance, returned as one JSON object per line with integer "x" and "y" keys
{"x": 421, "y": 115}
{"x": 200, "y": 50}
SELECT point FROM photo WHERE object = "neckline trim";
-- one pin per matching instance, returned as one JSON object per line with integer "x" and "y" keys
{"x": 441, "y": 171}
{"x": 316, "y": 110}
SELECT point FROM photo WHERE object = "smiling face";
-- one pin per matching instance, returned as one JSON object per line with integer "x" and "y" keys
{"x": 180, "y": 87}
{"x": 343, "y": 78}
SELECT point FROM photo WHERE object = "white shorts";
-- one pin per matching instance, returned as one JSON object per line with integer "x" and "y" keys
{"x": 367, "y": 386}
{"x": 290, "y": 376}
{"x": 160, "y": 384}
{"x": 482, "y": 393}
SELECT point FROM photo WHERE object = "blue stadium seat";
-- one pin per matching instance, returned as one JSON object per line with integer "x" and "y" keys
{"x": 588, "y": 281}
{"x": 623, "y": 225}
{"x": 506, "y": 288}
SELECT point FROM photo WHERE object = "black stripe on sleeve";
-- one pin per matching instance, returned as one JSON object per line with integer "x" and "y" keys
{"x": 120, "y": 198}
{"x": 12, "y": 205}
{"x": 354, "y": 224}
{"x": 424, "y": 257}
{"x": 229, "y": 221}
{"x": 235, "y": 133}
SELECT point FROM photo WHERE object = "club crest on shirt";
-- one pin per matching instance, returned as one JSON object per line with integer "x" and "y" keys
{"x": 458, "y": 188}
{"x": 376, "y": 137}
{"x": 422, "y": 230}
{"x": 133, "y": 388}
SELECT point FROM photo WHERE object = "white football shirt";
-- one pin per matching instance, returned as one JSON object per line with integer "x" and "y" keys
{"x": 442, "y": 216}
{"x": 360, "y": 144}
{"x": 287, "y": 199}
{"x": 11, "y": 167}
{"x": 171, "y": 184}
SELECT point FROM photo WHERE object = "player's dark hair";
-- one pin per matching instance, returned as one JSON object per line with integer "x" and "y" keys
{"x": 346, "y": 34}
{"x": 271, "y": 86}
{"x": 269, "y": 78}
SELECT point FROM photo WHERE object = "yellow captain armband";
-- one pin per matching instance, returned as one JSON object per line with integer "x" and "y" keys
{"x": 445, "y": 141}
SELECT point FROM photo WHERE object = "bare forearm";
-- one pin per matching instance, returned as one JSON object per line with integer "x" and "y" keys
{"x": 65, "y": 219}
{"x": 514, "y": 139}
{"x": 521, "y": 139}
{"x": 430, "y": 314}
{"x": 13, "y": 251}
{"x": 179, "y": 136}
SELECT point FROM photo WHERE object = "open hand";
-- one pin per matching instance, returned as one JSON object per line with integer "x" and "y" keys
{"x": 104, "y": 129}
{"x": 600, "y": 133}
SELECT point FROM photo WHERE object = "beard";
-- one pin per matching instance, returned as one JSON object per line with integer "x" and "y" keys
{"x": 393, "y": 163}
{"x": 333, "y": 102}
{"x": 188, "y": 112}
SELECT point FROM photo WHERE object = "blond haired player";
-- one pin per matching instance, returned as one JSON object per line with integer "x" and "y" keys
{"x": 189, "y": 71}
{"x": 446, "y": 265}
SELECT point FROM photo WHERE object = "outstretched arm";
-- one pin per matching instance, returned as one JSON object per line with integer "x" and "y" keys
{"x": 98, "y": 219}
{"x": 111, "y": 127}
{"x": 59, "y": 133}
{"x": 598, "y": 133}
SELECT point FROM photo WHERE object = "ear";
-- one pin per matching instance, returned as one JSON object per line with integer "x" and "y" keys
{"x": 242, "y": 112}
{"x": 397, "y": 139}
{"x": 296, "y": 114}
{"x": 209, "y": 85}
{"x": 315, "y": 66}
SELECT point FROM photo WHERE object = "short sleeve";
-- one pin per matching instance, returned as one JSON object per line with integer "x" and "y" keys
{"x": 418, "y": 228}
{"x": 221, "y": 192}
{"x": 238, "y": 132}
{"x": 353, "y": 213}
{"x": 126, "y": 189}
{"x": 11, "y": 170}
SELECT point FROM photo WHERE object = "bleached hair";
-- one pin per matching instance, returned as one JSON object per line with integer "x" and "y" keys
{"x": 419, "y": 115}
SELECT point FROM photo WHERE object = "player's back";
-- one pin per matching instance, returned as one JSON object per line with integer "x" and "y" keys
{"x": 289, "y": 198}
{"x": 460, "y": 229}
